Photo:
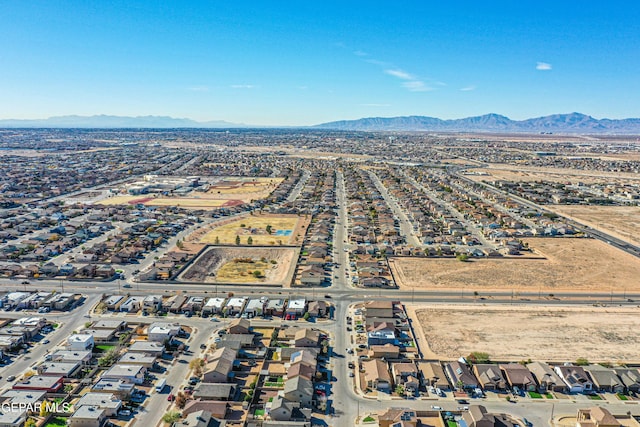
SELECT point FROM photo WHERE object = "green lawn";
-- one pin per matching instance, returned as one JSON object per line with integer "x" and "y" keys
{"x": 595, "y": 397}
{"x": 451, "y": 423}
{"x": 57, "y": 422}
{"x": 259, "y": 413}
{"x": 622, "y": 397}
{"x": 549, "y": 396}
{"x": 368, "y": 419}
{"x": 103, "y": 348}
{"x": 535, "y": 395}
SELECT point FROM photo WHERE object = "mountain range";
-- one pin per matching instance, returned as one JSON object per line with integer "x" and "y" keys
{"x": 556, "y": 123}
{"x": 560, "y": 123}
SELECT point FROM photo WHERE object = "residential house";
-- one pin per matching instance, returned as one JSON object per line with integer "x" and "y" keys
{"x": 214, "y": 391}
{"x": 386, "y": 351}
{"x": 460, "y": 376}
{"x": 80, "y": 342}
{"x": 317, "y": 308}
{"x": 381, "y": 333}
{"x": 162, "y": 331}
{"x": 630, "y": 378}
{"x": 220, "y": 365}
{"x": 133, "y": 374}
{"x": 477, "y": 416}
{"x": 152, "y": 348}
{"x": 45, "y": 383}
{"x": 201, "y": 418}
{"x": 312, "y": 275}
{"x": 87, "y": 416}
{"x": 213, "y": 306}
{"x": 398, "y": 417}
{"x": 275, "y": 307}
{"x": 376, "y": 375}
{"x": 296, "y": 307}
{"x": 239, "y": 326}
{"x": 305, "y": 337}
{"x": 299, "y": 389}
{"x": 406, "y": 375}
{"x": 596, "y": 416}
{"x": 379, "y": 309}
{"x": 489, "y": 376}
{"x": 432, "y": 375}
{"x": 548, "y": 379}
{"x": 254, "y": 307}
{"x": 283, "y": 410}
{"x": 235, "y": 306}
{"x": 519, "y": 376}
{"x": 107, "y": 401}
{"x": 575, "y": 377}
{"x": 605, "y": 379}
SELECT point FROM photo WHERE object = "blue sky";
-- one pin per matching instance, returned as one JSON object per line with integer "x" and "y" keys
{"x": 307, "y": 62}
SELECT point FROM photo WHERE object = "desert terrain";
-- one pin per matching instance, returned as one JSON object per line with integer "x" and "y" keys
{"x": 565, "y": 264}
{"x": 285, "y": 230}
{"x": 515, "y": 333}
{"x": 236, "y": 265}
{"x": 622, "y": 222}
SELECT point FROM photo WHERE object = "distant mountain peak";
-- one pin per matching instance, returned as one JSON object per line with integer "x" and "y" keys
{"x": 492, "y": 122}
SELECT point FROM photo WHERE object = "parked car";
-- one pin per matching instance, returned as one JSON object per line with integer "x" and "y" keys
{"x": 171, "y": 397}
{"x": 437, "y": 408}
{"x": 11, "y": 377}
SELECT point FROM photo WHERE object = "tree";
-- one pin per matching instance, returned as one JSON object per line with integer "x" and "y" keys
{"x": 44, "y": 408}
{"x": 30, "y": 423}
{"x": 463, "y": 257}
{"x": 179, "y": 244}
{"x": 249, "y": 240}
{"x": 582, "y": 361}
{"x": 268, "y": 228}
{"x": 306, "y": 316}
{"x": 237, "y": 240}
{"x": 171, "y": 417}
{"x": 181, "y": 400}
{"x": 257, "y": 274}
{"x": 478, "y": 357}
{"x": 217, "y": 241}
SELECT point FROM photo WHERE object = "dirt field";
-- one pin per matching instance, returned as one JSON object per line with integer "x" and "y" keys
{"x": 532, "y": 173}
{"x": 236, "y": 265}
{"x": 540, "y": 333}
{"x": 245, "y": 189}
{"x": 569, "y": 265}
{"x": 285, "y": 230}
{"x": 620, "y": 221}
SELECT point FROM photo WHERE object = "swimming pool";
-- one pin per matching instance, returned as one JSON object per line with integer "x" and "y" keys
{"x": 283, "y": 233}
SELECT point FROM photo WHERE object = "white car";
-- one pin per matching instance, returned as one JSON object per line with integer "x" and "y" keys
{"x": 437, "y": 408}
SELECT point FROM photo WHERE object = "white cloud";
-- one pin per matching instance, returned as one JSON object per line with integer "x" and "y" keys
{"x": 375, "y": 105}
{"x": 468, "y": 88}
{"x": 198, "y": 89}
{"x": 243, "y": 86}
{"x": 360, "y": 53}
{"x": 543, "y": 66}
{"x": 417, "y": 86}
{"x": 399, "y": 74}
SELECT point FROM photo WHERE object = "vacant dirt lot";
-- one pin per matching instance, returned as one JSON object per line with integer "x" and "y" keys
{"x": 236, "y": 265}
{"x": 620, "y": 221}
{"x": 245, "y": 189}
{"x": 540, "y": 333}
{"x": 533, "y": 173}
{"x": 285, "y": 230}
{"x": 569, "y": 265}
